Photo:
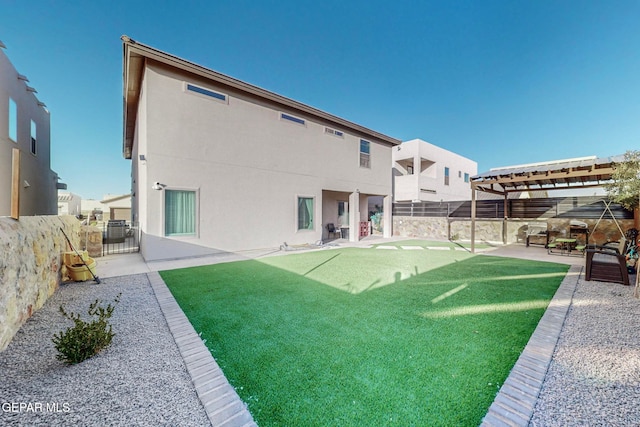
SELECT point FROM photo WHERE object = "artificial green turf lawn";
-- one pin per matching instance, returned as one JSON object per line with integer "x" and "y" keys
{"x": 365, "y": 337}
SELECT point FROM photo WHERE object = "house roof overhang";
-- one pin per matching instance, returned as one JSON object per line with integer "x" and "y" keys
{"x": 136, "y": 55}
{"x": 558, "y": 175}
{"x": 116, "y": 198}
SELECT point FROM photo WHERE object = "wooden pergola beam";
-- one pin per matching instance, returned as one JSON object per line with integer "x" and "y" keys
{"x": 561, "y": 179}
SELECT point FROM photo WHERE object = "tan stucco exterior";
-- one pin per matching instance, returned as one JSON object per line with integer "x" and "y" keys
{"x": 37, "y": 183}
{"x": 246, "y": 164}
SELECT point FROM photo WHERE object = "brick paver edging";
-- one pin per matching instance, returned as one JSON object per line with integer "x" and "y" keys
{"x": 516, "y": 400}
{"x": 220, "y": 400}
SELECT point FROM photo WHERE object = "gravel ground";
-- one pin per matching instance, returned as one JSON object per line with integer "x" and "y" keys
{"x": 594, "y": 376}
{"x": 139, "y": 380}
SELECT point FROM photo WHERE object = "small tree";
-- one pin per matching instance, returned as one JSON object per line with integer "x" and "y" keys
{"x": 625, "y": 188}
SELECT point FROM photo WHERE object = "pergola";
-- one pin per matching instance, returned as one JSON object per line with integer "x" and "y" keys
{"x": 581, "y": 172}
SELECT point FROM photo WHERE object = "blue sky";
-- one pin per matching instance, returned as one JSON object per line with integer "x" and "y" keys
{"x": 500, "y": 82}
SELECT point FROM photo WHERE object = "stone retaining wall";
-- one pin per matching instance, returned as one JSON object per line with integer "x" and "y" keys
{"x": 30, "y": 266}
{"x": 492, "y": 231}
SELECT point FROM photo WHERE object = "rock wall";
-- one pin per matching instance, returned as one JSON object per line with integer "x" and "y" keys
{"x": 492, "y": 231}
{"x": 607, "y": 230}
{"x": 91, "y": 240}
{"x": 30, "y": 266}
{"x": 425, "y": 228}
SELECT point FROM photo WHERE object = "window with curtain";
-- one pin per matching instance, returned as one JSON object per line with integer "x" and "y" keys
{"x": 446, "y": 176}
{"x": 179, "y": 213}
{"x": 305, "y": 213}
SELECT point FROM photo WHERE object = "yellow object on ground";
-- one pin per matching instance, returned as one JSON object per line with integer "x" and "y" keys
{"x": 78, "y": 271}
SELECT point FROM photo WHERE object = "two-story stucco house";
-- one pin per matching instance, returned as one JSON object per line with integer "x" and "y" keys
{"x": 221, "y": 165}
{"x": 425, "y": 172}
{"x": 26, "y": 178}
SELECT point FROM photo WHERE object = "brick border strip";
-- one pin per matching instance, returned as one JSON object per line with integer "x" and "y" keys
{"x": 220, "y": 400}
{"x": 516, "y": 400}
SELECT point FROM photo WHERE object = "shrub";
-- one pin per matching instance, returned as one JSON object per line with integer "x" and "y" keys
{"x": 85, "y": 338}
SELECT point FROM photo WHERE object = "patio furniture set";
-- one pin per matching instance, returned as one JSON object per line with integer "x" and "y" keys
{"x": 612, "y": 262}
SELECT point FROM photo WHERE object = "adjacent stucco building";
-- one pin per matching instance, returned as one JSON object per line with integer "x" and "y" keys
{"x": 25, "y": 160}
{"x": 69, "y": 204}
{"x": 425, "y": 172}
{"x": 220, "y": 164}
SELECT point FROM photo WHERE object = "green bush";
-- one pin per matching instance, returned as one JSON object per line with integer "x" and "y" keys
{"x": 85, "y": 339}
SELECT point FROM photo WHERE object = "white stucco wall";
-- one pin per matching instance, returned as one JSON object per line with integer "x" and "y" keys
{"x": 411, "y": 187}
{"x": 39, "y": 197}
{"x": 69, "y": 204}
{"x": 247, "y": 165}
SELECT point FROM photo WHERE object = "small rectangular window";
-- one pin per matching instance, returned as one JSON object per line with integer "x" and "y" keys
{"x": 365, "y": 154}
{"x": 459, "y": 174}
{"x": 334, "y": 132}
{"x": 305, "y": 213}
{"x": 179, "y": 213}
{"x": 292, "y": 118}
{"x": 410, "y": 170}
{"x": 206, "y": 92}
{"x": 446, "y": 176}
{"x": 466, "y": 177}
{"x": 33, "y": 137}
{"x": 13, "y": 120}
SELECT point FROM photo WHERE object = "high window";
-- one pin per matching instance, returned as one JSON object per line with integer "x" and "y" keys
{"x": 334, "y": 132}
{"x": 179, "y": 213}
{"x": 34, "y": 141}
{"x": 291, "y": 118}
{"x": 365, "y": 154}
{"x": 206, "y": 92}
{"x": 13, "y": 120}
{"x": 305, "y": 213}
{"x": 446, "y": 176}
{"x": 466, "y": 177}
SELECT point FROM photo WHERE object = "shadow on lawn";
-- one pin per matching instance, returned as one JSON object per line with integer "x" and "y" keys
{"x": 358, "y": 271}
{"x": 429, "y": 347}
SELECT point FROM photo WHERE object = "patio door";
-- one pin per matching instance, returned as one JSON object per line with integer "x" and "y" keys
{"x": 343, "y": 213}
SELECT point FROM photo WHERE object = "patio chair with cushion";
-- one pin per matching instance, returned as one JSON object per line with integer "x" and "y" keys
{"x": 331, "y": 229}
{"x": 607, "y": 263}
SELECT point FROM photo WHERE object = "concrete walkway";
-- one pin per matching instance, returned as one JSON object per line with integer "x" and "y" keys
{"x": 513, "y": 405}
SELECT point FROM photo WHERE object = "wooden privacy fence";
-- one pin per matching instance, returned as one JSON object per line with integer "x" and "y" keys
{"x": 588, "y": 207}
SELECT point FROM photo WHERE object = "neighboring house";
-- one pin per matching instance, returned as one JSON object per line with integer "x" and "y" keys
{"x": 425, "y": 172}
{"x": 221, "y": 165}
{"x": 25, "y": 165}
{"x": 92, "y": 209}
{"x": 112, "y": 206}
{"x": 117, "y": 207}
{"x": 69, "y": 204}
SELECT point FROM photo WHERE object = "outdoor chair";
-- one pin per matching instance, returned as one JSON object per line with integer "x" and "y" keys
{"x": 607, "y": 263}
{"x": 331, "y": 229}
{"x": 537, "y": 231}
